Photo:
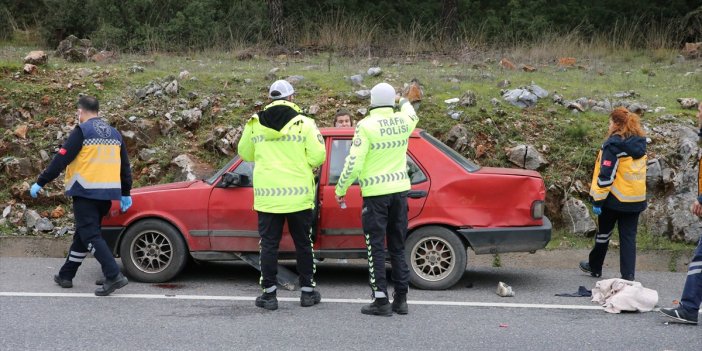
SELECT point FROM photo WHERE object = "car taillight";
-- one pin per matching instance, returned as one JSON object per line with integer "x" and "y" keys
{"x": 537, "y": 209}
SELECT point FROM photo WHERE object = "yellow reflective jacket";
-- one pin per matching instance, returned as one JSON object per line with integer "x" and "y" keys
{"x": 620, "y": 171}
{"x": 285, "y": 147}
{"x": 378, "y": 152}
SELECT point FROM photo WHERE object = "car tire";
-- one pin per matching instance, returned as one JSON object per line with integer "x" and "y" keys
{"x": 153, "y": 251}
{"x": 436, "y": 257}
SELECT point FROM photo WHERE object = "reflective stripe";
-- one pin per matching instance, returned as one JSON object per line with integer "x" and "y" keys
{"x": 695, "y": 271}
{"x": 79, "y": 254}
{"x": 292, "y": 138}
{"x": 288, "y": 191}
{"x": 694, "y": 264}
{"x": 271, "y": 289}
{"x": 602, "y": 241}
{"x": 625, "y": 198}
{"x": 73, "y": 259}
{"x": 388, "y": 144}
{"x": 392, "y": 177}
{"x": 598, "y": 196}
{"x": 96, "y": 141}
{"x": 91, "y": 185}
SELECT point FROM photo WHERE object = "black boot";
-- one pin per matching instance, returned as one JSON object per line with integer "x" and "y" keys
{"x": 110, "y": 285}
{"x": 310, "y": 298}
{"x": 100, "y": 281}
{"x": 585, "y": 267}
{"x": 379, "y": 307}
{"x": 63, "y": 282}
{"x": 268, "y": 301}
{"x": 399, "y": 303}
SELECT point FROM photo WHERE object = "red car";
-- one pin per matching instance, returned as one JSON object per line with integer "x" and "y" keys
{"x": 454, "y": 204}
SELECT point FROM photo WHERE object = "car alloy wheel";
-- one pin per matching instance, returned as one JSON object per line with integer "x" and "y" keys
{"x": 433, "y": 258}
{"x": 151, "y": 251}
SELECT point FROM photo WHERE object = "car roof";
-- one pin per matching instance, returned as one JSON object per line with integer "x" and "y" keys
{"x": 348, "y": 132}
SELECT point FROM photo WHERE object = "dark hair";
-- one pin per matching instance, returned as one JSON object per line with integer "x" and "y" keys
{"x": 342, "y": 112}
{"x": 89, "y": 103}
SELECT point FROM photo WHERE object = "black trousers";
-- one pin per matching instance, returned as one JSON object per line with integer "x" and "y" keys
{"x": 270, "y": 227}
{"x": 386, "y": 216}
{"x": 627, "y": 223}
{"x": 88, "y": 214}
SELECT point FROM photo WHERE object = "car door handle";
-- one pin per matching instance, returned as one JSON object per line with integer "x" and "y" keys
{"x": 416, "y": 194}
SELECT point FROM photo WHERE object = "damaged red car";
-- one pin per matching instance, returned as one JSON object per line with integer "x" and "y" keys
{"x": 454, "y": 205}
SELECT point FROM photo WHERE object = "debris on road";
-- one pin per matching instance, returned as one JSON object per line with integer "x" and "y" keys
{"x": 504, "y": 290}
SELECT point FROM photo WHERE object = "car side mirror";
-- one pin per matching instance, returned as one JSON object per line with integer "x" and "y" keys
{"x": 231, "y": 179}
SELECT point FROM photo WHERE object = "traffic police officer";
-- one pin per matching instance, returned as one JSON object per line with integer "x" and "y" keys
{"x": 688, "y": 310}
{"x": 97, "y": 172}
{"x": 618, "y": 192}
{"x": 378, "y": 160}
{"x": 285, "y": 147}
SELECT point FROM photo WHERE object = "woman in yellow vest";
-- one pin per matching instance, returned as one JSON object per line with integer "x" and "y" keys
{"x": 618, "y": 191}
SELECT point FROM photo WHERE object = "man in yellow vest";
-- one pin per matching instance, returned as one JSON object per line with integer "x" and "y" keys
{"x": 378, "y": 160}
{"x": 285, "y": 147}
{"x": 97, "y": 172}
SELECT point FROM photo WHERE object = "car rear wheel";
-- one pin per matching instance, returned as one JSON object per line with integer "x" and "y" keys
{"x": 153, "y": 251}
{"x": 436, "y": 258}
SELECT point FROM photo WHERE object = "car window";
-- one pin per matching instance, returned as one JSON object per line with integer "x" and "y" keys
{"x": 467, "y": 164}
{"x": 221, "y": 171}
{"x": 246, "y": 169}
{"x": 340, "y": 149}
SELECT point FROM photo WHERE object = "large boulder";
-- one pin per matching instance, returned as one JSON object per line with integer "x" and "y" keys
{"x": 692, "y": 50}
{"x": 526, "y": 156}
{"x": 37, "y": 57}
{"x": 73, "y": 49}
{"x": 576, "y": 217}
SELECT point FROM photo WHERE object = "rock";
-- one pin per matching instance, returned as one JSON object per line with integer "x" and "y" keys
{"x": 526, "y": 156}
{"x": 36, "y": 57}
{"x": 625, "y": 94}
{"x": 58, "y": 212}
{"x": 61, "y": 232}
{"x": 6, "y": 212}
{"x": 73, "y": 49}
{"x": 458, "y": 138}
{"x": 183, "y": 74}
{"x": 468, "y": 99}
{"x": 136, "y": 69}
{"x": 356, "y": 79}
{"x": 659, "y": 109}
{"x": 654, "y": 173}
{"x": 132, "y": 118}
{"x": 692, "y": 50}
{"x": 363, "y": 94}
{"x": 190, "y": 118}
{"x": 495, "y": 102}
{"x": 103, "y": 56}
{"x": 31, "y": 218}
{"x": 84, "y": 72}
{"x": 204, "y": 104}
{"x": 574, "y": 106}
{"x": 313, "y": 110}
{"x": 557, "y": 99}
{"x": 172, "y": 88}
{"x": 190, "y": 168}
{"x": 21, "y": 131}
{"x": 507, "y": 64}
{"x": 273, "y": 73}
{"x": 362, "y": 111}
{"x": 456, "y": 115}
{"x": 528, "y": 68}
{"x": 452, "y": 101}
{"x": 566, "y": 61}
{"x": 599, "y": 109}
{"x": 29, "y": 68}
{"x": 44, "y": 225}
{"x": 375, "y": 71}
{"x": 688, "y": 103}
{"x": 147, "y": 155}
{"x": 480, "y": 151}
{"x": 295, "y": 79}
{"x": 520, "y": 97}
{"x": 537, "y": 90}
{"x": 248, "y": 81}
{"x": 503, "y": 84}
{"x": 576, "y": 217}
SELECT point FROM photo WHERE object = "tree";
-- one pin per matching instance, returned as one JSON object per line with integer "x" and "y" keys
{"x": 275, "y": 16}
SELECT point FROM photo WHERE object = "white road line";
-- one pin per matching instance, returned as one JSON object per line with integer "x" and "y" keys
{"x": 293, "y": 299}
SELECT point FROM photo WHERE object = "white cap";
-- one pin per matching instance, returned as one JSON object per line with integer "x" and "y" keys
{"x": 383, "y": 94}
{"x": 280, "y": 89}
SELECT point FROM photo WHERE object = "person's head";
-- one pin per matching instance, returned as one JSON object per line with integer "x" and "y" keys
{"x": 88, "y": 107}
{"x": 342, "y": 119}
{"x": 281, "y": 90}
{"x": 383, "y": 94}
{"x": 624, "y": 123}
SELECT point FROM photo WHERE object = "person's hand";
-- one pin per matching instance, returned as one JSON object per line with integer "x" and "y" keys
{"x": 125, "y": 203}
{"x": 597, "y": 210}
{"x": 340, "y": 199}
{"x": 34, "y": 190}
{"x": 696, "y": 209}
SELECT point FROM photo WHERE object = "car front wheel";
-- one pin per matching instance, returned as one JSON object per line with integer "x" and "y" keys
{"x": 153, "y": 251}
{"x": 436, "y": 258}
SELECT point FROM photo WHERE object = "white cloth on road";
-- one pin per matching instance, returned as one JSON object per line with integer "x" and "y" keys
{"x": 617, "y": 295}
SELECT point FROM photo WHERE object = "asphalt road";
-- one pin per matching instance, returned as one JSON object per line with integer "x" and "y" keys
{"x": 210, "y": 307}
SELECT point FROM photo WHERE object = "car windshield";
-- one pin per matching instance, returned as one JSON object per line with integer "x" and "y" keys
{"x": 467, "y": 164}
{"x": 221, "y": 171}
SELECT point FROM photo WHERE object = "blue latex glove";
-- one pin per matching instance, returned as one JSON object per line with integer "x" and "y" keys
{"x": 125, "y": 203}
{"x": 34, "y": 190}
{"x": 597, "y": 210}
